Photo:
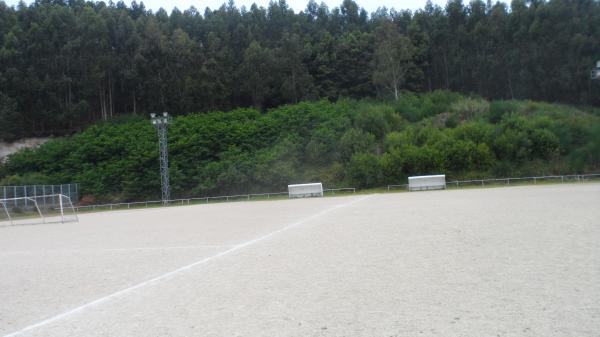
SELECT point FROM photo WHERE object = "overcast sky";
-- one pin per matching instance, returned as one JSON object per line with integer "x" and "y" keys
{"x": 297, "y": 5}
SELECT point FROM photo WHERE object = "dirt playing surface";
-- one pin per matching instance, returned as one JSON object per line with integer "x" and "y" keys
{"x": 514, "y": 261}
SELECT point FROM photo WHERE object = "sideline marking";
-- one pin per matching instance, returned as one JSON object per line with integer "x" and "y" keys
{"x": 104, "y": 250}
{"x": 181, "y": 269}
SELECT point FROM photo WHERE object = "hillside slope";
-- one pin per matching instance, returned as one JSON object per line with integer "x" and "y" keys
{"x": 356, "y": 143}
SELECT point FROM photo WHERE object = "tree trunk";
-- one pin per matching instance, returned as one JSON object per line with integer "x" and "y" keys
{"x": 111, "y": 106}
{"x": 294, "y": 86}
{"x": 446, "y": 70}
{"x": 103, "y": 105}
{"x": 510, "y": 87}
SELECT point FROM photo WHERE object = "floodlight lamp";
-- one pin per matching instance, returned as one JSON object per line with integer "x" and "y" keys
{"x": 153, "y": 115}
{"x": 165, "y": 114}
{"x": 154, "y": 121}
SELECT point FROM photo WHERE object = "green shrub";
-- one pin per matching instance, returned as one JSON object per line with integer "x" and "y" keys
{"x": 498, "y": 109}
{"x": 363, "y": 170}
{"x": 409, "y": 106}
{"x": 451, "y": 121}
{"x": 469, "y": 108}
{"x": 357, "y": 143}
{"x": 439, "y": 101}
{"x": 376, "y": 120}
{"x": 392, "y": 166}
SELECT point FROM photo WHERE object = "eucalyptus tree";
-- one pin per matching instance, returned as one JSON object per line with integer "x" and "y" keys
{"x": 393, "y": 58}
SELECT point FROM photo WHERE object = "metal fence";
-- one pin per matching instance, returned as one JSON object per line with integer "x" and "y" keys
{"x": 201, "y": 200}
{"x": 333, "y": 191}
{"x": 508, "y": 181}
{"x": 34, "y": 191}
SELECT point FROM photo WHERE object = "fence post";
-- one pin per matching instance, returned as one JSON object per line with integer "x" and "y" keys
{"x": 62, "y": 212}
{"x": 562, "y": 179}
{"x": 534, "y": 180}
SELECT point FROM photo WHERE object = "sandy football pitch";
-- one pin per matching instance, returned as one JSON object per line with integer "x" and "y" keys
{"x": 514, "y": 261}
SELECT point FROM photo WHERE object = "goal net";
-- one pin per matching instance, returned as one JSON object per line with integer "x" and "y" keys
{"x": 54, "y": 208}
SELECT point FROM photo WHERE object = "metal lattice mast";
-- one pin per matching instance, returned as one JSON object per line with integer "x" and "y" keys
{"x": 164, "y": 163}
{"x": 162, "y": 123}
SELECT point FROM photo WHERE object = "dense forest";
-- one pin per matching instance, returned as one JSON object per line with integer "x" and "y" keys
{"x": 65, "y": 64}
{"x": 359, "y": 143}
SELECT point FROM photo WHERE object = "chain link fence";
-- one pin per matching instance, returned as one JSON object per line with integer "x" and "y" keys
{"x": 17, "y": 194}
{"x": 334, "y": 191}
{"x": 202, "y": 200}
{"x": 508, "y": 181}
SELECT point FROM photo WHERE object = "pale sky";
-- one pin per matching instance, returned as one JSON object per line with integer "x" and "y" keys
{"x": 298, "y": 5}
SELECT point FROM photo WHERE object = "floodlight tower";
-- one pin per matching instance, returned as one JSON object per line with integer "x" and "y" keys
{"x": 162, "y": 123}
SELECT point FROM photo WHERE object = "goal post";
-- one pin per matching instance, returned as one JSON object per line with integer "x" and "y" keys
{"x": 4, "y": 214}
{"x": 53, "y": 208}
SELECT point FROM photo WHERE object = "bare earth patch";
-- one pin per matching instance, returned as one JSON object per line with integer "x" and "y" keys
{"x": 515, "y": 261}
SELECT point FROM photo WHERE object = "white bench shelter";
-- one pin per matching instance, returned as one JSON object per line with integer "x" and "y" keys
{"x": 424, "y": 183}
{"x": 305, "y": 190}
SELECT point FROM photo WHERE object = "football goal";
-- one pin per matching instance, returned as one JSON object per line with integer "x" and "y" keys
{"x": 54, "y": 208}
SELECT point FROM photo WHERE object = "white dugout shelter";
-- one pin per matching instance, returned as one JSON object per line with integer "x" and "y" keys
{"x": 424, "y": 183}
{"x": 305, "y": 190}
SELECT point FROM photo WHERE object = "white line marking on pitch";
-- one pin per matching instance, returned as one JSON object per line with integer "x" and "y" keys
{"x": 70, "y": 251}
{"x": 167, "y": 248}
{"x": 179, "y": 270}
